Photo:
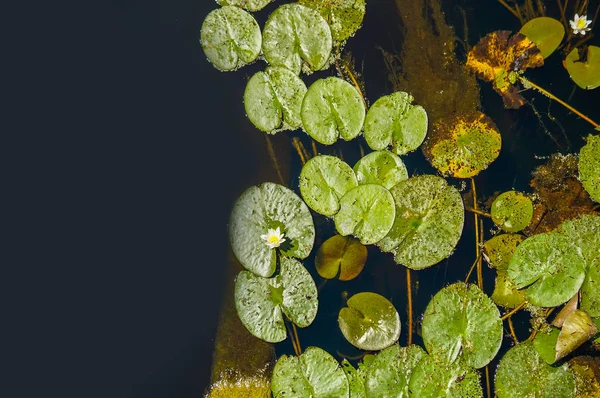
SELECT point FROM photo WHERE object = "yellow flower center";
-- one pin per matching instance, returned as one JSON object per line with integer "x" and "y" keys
{"x": 581, "y": 23}
{"x": 273, "y": 239}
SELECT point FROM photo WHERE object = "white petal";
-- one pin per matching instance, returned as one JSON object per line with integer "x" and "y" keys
{"x": 582, "y": 32}
{"x": 573, "y": 25}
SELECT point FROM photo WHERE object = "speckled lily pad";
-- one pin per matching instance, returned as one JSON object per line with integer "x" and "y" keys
{"x": 390, "y": 372}
{"x": 250, "y": 5}
{"x": 433, "y": 377}
{"x": 512, "y": 211}
{"x": 589, "y": 166}
{"x": 344, "y": 16}
{"x": 380, "y": 167}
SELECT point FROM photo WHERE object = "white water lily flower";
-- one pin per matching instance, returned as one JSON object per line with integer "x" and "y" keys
{"x": 273, "y": 238}
{"x": 580, "y": 24}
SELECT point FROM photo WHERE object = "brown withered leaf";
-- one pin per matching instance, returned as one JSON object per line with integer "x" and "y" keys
{"x": 499, "y": 58}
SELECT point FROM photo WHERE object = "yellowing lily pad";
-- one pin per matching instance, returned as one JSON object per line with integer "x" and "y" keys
{"x": 460, "y": 320}
{"x": 587, "y": 375}
{"x": 380, "y": 167}
{"x": 498, "y": 250}
{"x": 265, "y": 207}
{"x": 332, "y": 108}
{"x": 589, "y": 166}
{"x": 433, "y": 377}
{"x": 546, "y": 33}
{"x": 341, "y": 255}
{"x": 394, "y": 121}
{"x": 250, "y": 5}
{"x": 577, "y": 329}
{"x": 585, "y": 74}
{"x": 343, "y": 16}
{"x": 370, "y": 322}
{"x": 230, "y": 38}
{"x": 505, "y": 292}
{"x": 512, "y": 211}
{"x": 463, "y": 145}
{"x": 295, "y": 35}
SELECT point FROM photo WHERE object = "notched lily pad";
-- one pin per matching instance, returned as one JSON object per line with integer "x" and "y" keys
{"x": 370, "y": 322}
{"x": 295, "y": 35}
{"x": 512, "y": 211}
{"x": 433, "y": 377}
{"x": 585, "y": 74}
{"x": 589, "y": 166}
{"x": 250, "y": 5}
{"x": 265, "y": 207}
{"x": 546, "y": 33}
{"x": 460, "y": 320}
{"x": 463, "y": 145}
{"x": 273, "y": 100}
{"x": 428, "y": 223}
{"x": 343, "y": 16}
{"x": 381, "y": 167}
{"x": 341, "y": 255}
{"x": 394, "y": 121}
{"x": 498, "y": 250}
{"x": 230, "y": 38}
{"x": 332, "y": 108}
{"x": 324, "y": 180}
{"x": 315, "y": 373}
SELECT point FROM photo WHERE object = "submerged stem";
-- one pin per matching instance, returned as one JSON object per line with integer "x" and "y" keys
{"x": 512, "y": 330}
{"x": 274, "y": 158}
{"x": 410, "y": 309}
{"x": 514, "y": 310}
{"x": 477, "y": 238}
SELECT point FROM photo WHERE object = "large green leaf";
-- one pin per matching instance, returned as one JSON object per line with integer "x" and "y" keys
{"x": 546, "y": 33}
{"x": 394, "y": 121}
{"x": 250, "y": 5}
{"x": 366, "y": 212}
{"x": 435, "y": 378}
{"x": 370, "y": 322}
{"x": 324, "y": 180}
{"x": 381, "y": 167}
{"x": 428, "y": 224}
{"x": 585, "y": 74}
{"x": 230, "y": 38}
{"x": 512, "y": 211}
{"x": 389, "y": 374}
{"x": 461, "y": 320}
{"x": 549, "y": 266}
{"x": 589, "y": 166}
{"x": 315, "y": 373}
{"x": 341, "y": 255}
{"x": 265, "y": 207}
{"x": 332, "y": 108}
{"x": 273, "y": 100}
{"x": 523, "y": 373}
{"x": 344, "y": 16}
{"x": 295, "y": 35}
{"x": 260, "y": 301}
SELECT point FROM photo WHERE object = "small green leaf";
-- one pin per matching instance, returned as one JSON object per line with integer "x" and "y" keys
{"x": 585, "y": 74}
{"x": 341, "y": 254}
{"x": 230, "y": 38}
{"x": 366, "y": 212}
{"x": 498, "y": 250}
{"x": 512, "y": 211}
{"x": 380, "y": 167}
{"x": 505, "y": 293}
{"x": 250, "y": 5}
{"x": 432, "y": 377}
{"x": 545, "y": 345}
{"x": 589, "y": 166}
{"x": 389, "y": 374}
{"x": 370, "y": 322}
{"x": 546, "y": 33}
{"x": 344, "y": 16}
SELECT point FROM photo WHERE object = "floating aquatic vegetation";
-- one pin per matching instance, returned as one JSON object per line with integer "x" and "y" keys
{"x": 250, "y": 5}
{"x": 587, "y": 375}
{"x": 343, "y": 16}
{"x": 356, "y": 377}
{"x": 433, "y": 377}
{"x": 586, "y": 74}
{"x": 546, "y": 33}
{"x": 497, "y": 252}
{"x": 512, "y": 211}
{"x": 589, "y": 166}
{"x": 230, "y": 38}
{"x": 380, "y": 167}
{"x": 370, "y": 322}
{"x": 390, "y": 372}
{"x": 341, "y": 255}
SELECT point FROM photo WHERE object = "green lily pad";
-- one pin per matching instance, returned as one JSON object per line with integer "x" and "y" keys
{"x": 332, "y": 108}
{"x": 545, "y": 344}
{"x": 428, "y": 224}
{"x": 315, "y": 373}
{"x": 589, "y": 166}
{"x": 389, "y": 374}
{"x": 370, "y": 322}
{"x": 551, "y": 268}
{"x": 585, "y": 74}
{"x": 546, "y": 33}
{"x": 366, "y": 212}
{"x": 273, "y": 100}
{"x": 260, "y": 301}
{"x": 250, "y": 5}
{"x": 463, "y": 145}
{"x": 394, "y": 121}
{"x": 295, "y": 35}
{"x": 343, "y": 255}
{"x": 505, "y": 292}
{"x": 265, "y": 207}
{"x": 523, "y": 373}
{"x": 512, "y": 211}
{"x": 344, "y": 16}
{"x": 380, "y": 167}
{"x": 435, "y": 378}
{"x": 498, "y": 250}
{"x": 230, "y": 38}
{"x": 356, "y": 377}
{"x": 324, "y": 180}
{"x": 461, "y": 320}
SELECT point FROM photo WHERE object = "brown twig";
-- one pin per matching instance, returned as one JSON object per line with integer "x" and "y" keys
{"x": 487, "y": 382}
{"x": 299, "y": 149}
{"x": 512, "y": 330}
{"x": 314, "y": 148}
{"x": 477, "y": 241}
{"x": 512, "y": 11}
{"x": 296, "y": 349}
{"x": 409, "y": 304}
{"x": 472, "y": 268}
{"x": 274, "y": 158}
{"x": 481, "y": 213}
{"x": 297, "y": 339}
{"x": 514, "y": 310}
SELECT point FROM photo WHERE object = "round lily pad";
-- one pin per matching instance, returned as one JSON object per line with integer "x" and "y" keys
{"x": 344, "y": 16}
{"x": 265, "y": 207}
{"x": 370, "y": 322}
{"x": 332, "y": 108}
{"x": 512, "y": 211}
{"x": 551, "y": 268}
{"x": 461, "y": 320}
{"x": 428, "y": 224}
{"x": 589, "y": 166}
{"x": 341, "y": 255}
{"x": 523, "y": 373}
{"x": 250, "y": 5}
{"x": 463, "y": 145}
{"x": 498, "y": 250}
{"x": 546, "y": 33}
{"x": 432, "y": 377}
{"x": 230, "y": 38}
{"x": 324, "y": 180}
{"x": 273, "y": 100}
{"x": 260, "y": 301}
{"x": 390, "y": 372}
{"x": 380, "y": 167}
{"x": 394, "y": 121}
{"x": 366, "y": 212}
{"x": 315, "y": 373}
{"x": 295, "y": 34}
{"x": 585, "y": 74}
